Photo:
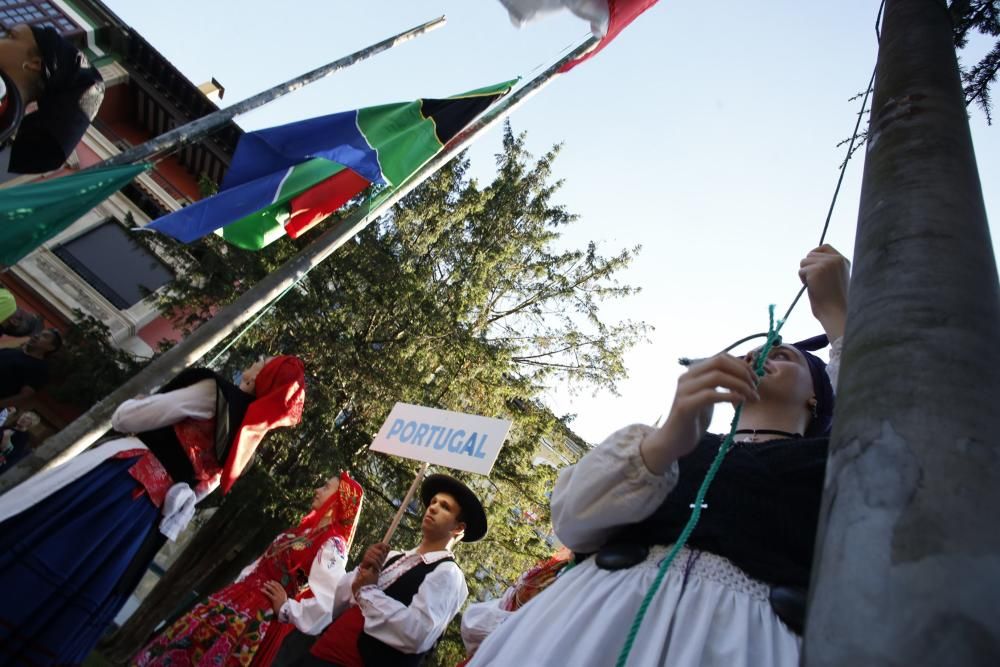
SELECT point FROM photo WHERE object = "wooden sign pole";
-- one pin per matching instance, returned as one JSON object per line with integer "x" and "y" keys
{"x": 406, "y": 501}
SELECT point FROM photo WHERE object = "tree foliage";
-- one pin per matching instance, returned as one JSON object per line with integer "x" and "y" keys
{"x": 982, "y": 16}
{"x": 88, "y": 367}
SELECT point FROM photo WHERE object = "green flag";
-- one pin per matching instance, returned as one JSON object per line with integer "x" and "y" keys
{"x": 32, "y": 214}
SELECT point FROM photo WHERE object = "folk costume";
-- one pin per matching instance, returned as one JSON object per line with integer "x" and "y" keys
{"x": 75, "y": 540}
{"x": 230, "y": 627}
{"x": 481, "y": 618}
{"x": 396, "y": 622}
{"x": 714, "y": 606}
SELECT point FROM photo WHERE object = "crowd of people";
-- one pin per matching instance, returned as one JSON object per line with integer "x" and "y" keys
{"x": 75, "y": 539}
{"x": 49, "y": 93}
{"x": 25, "y": 351}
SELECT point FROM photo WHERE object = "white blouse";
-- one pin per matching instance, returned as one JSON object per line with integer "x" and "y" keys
{"x": 158, "y": 410}
{"x": 132, "y": 416}
{"x": 409, "y": 628}
{"x": 327, "y": 569}
{"x": 611, "y": 486}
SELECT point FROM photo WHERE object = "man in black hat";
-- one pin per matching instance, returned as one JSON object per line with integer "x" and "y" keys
{"x": 38, "y": 65}
{"x": 392, "y": 608}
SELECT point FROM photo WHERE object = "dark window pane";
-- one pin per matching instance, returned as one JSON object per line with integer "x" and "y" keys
{"x": 35, "y": 12}
{"x": 120, "y": 269}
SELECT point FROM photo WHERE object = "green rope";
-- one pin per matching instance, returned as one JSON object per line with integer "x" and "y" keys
{"x": 772, "y": 339}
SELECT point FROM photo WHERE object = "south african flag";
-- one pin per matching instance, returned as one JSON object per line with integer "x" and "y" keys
{"x": 286, "y": 179}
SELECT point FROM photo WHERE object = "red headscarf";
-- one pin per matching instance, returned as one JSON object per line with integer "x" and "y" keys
{"x": 281, "y": 394}
{"x": 343, "y": 507}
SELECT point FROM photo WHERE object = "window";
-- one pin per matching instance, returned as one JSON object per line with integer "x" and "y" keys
{"x": 114, "y": 264}
{"x": 39, "y": 13}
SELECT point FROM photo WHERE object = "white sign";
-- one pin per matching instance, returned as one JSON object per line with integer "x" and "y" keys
{"x": 441, "y": 437}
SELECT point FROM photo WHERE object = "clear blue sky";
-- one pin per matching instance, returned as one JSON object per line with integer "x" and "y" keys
{"x": 706, "y": 132}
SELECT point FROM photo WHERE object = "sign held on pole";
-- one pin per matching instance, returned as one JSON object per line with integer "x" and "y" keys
{"x": 441, "y": 437}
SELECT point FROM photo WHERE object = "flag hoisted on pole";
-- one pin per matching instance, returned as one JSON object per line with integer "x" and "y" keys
{"x": 201, "y": 127}
{"x": 34, "y": 213}
{"x": 286, "y": 179}
{"x": 91, "y": 425}
{"x": 607, "y": 17}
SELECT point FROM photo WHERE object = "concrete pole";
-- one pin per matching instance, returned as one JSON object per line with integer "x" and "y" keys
{"x": 907, "y": 568}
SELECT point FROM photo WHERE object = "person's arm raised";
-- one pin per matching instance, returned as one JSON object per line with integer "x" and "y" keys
{"x": 825, "y": 273}
{"x": 628, "y": 476}
{"x": 721, "y": 379}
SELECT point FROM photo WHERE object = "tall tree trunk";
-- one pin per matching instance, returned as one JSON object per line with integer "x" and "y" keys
{"x": 229, "y": 540}
{"x": 908, "y": 553}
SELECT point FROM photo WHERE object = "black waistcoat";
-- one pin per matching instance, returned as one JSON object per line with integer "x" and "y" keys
{"x": 763, "y": 507}
{"x": 376, "y": 653}
{"x": 231, "y": 404}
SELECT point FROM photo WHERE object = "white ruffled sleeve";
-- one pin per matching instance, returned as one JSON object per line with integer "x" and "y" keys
{"x": 145, "y": 414}
{"x": 479, "y": 620}
{"x": 328, "y": 568}
{"x": 415, "y": 627}
{"x": 608, "y": 488}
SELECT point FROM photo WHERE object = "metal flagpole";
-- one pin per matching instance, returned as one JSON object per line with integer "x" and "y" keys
{"x": 201, "y": 127}
{"x": 91, "y": 425}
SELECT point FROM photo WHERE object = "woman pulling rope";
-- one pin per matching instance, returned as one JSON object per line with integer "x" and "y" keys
{"x": 726, "y": 599}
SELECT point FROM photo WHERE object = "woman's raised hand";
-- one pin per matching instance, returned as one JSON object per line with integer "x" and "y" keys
{"x": 720, "y": 379}
{"x": 825, "y": 273}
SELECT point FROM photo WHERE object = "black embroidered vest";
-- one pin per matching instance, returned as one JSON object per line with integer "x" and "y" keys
{"x": 762, "y": 507}
{"x": 231, "y": 405}
{"x": 376, "y": 653}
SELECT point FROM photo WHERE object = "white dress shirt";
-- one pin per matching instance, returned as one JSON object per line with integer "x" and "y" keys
{"x": 409, "y": 628}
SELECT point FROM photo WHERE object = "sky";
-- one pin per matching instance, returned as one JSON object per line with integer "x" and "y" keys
{"x": 706, "y": 133}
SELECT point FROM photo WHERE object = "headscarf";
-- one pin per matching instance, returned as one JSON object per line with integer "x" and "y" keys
{"x": 344, "y": 509}
{"x": 822, "y": 422}
{"x": 72, "y": 94}
{"x": 280, "y": 391}
{"x": 535, "y": 580}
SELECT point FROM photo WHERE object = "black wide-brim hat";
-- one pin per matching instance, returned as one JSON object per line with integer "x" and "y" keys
{"x": 472, "y": 510}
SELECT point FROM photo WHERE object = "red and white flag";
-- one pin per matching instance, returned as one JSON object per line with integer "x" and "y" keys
{"x": 607, "y": 18}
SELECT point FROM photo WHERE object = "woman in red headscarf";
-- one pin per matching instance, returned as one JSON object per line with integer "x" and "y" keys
{"x": 75, "y": 540}
{"x": 230, "y": 627}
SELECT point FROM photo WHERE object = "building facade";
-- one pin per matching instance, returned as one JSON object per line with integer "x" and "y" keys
{"x": 95, "y": 267}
